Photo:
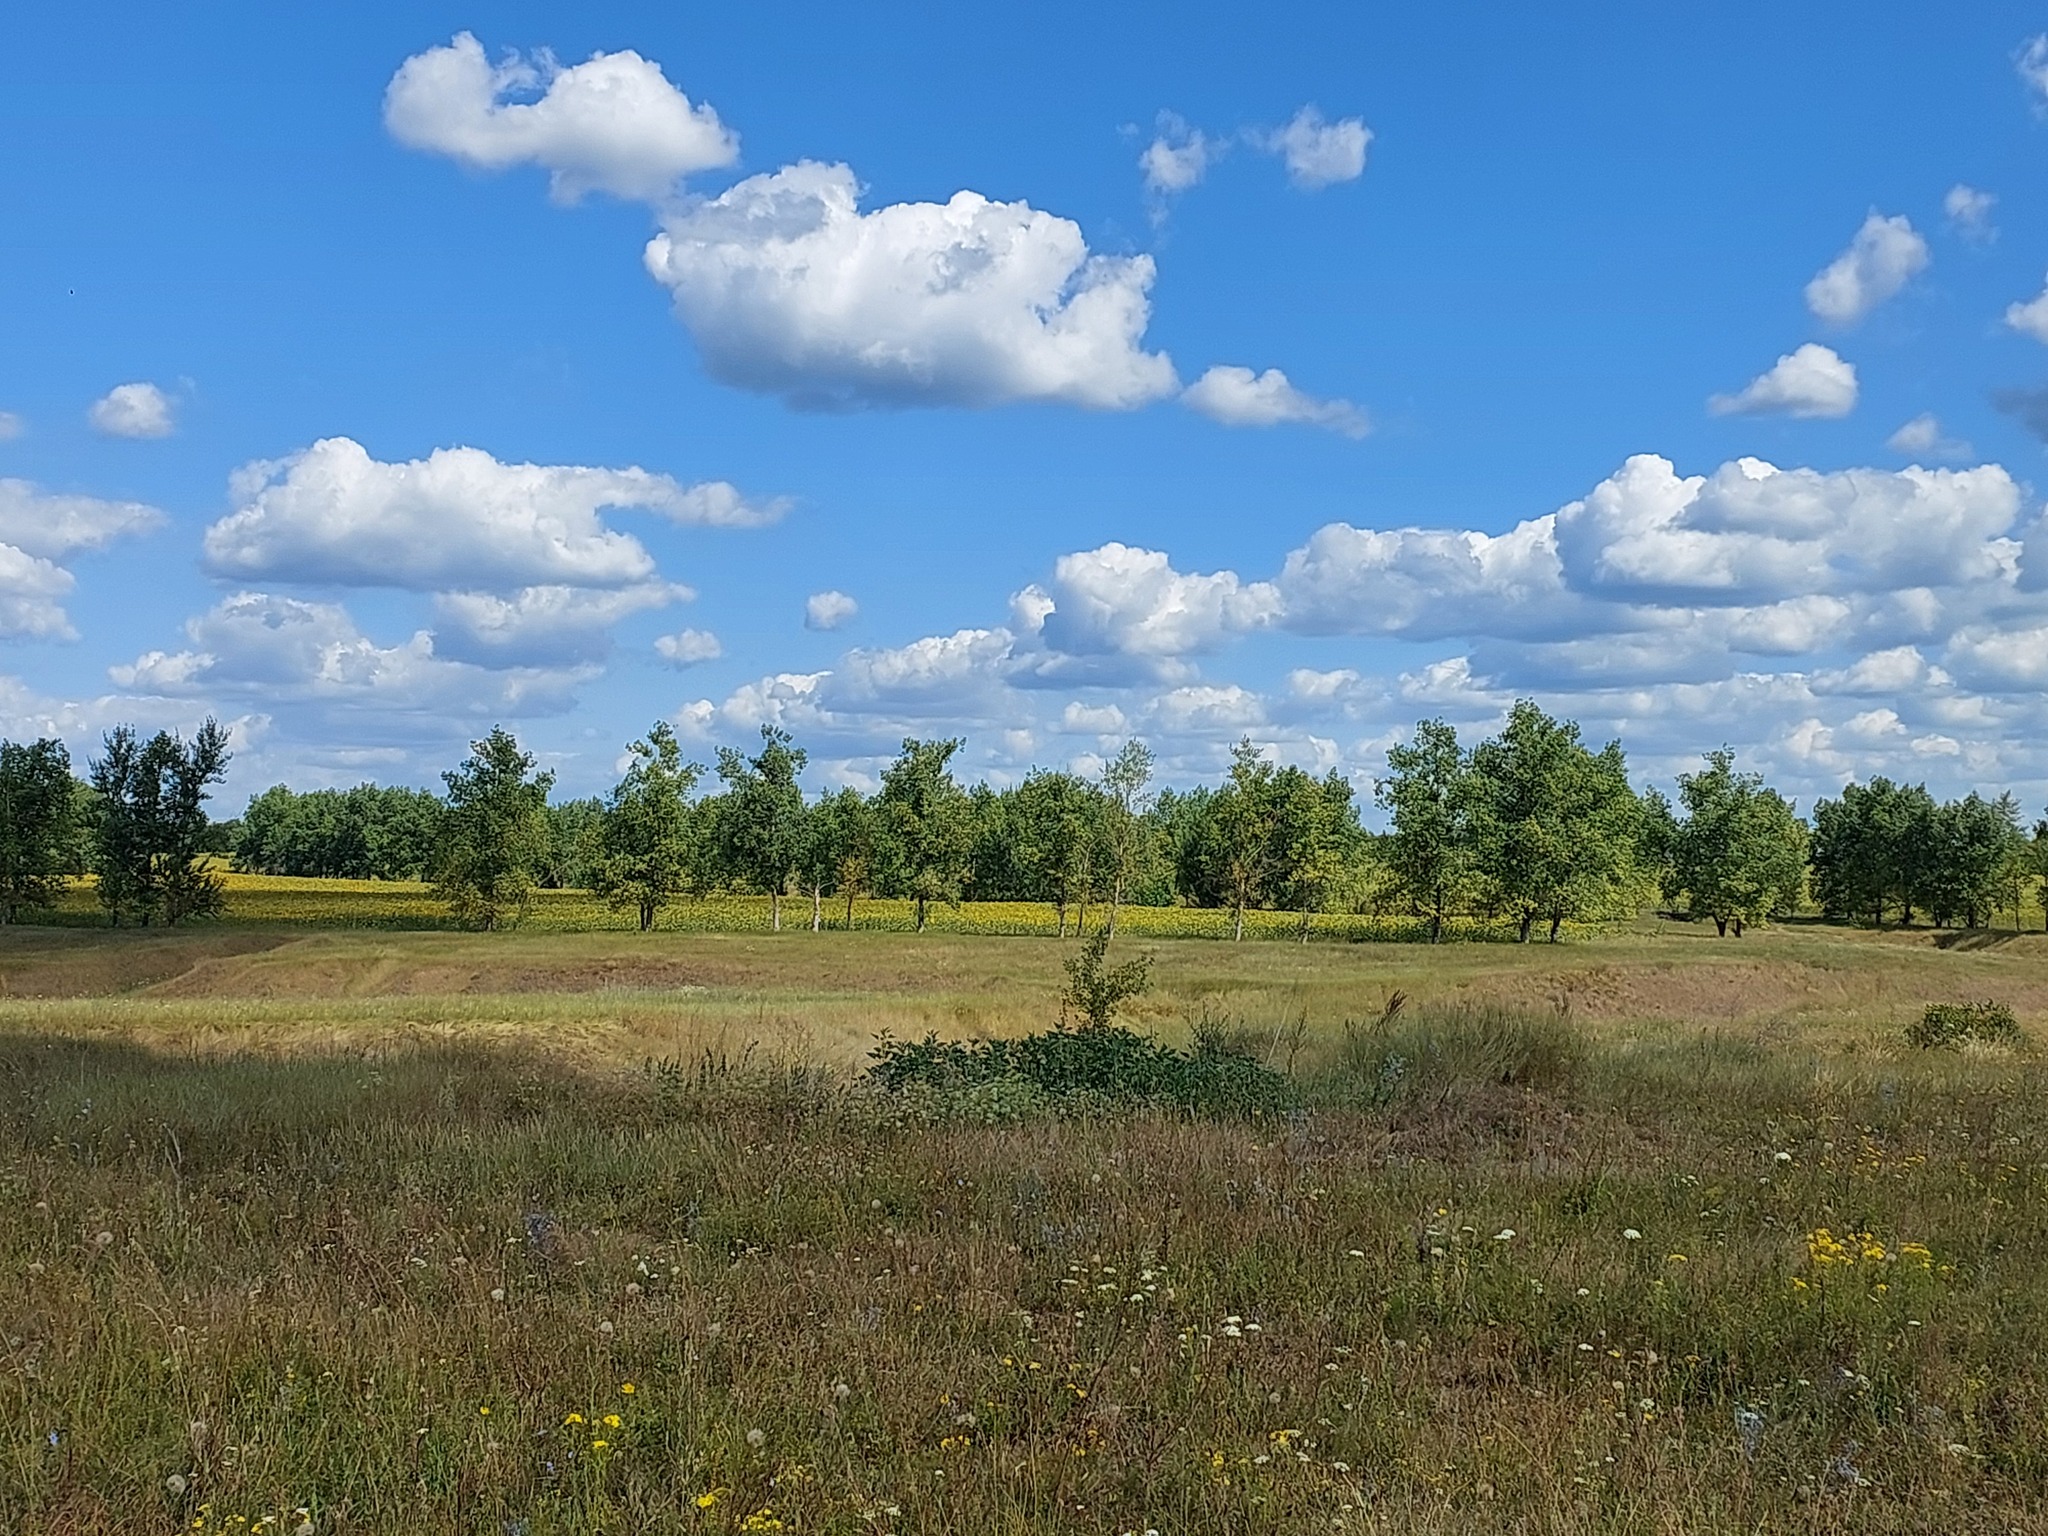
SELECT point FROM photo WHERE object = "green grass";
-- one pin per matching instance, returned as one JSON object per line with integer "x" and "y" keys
{"x": 282, "y": 1222}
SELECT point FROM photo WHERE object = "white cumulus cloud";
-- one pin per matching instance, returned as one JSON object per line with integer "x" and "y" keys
{"x": 37, "y": 530}
{"x": 1922, "y": 437}
{"x": 688, "y": 647}
{"x": 132, "y": 410}
{"x": 613, "y": 124}
{"x": 1809, "y": 381}
{"x": 546, "y": 626}
{"x": 1885, "y": 255}
{"x": 1320, "y": 153}
{"x": 789, "y": 288}
{"x": 458, "y": 519}
{"x": 1969, "y": 211}
{"x": 2031, "y": 317}
{"x": 829, "y": 610}
{"x": 1177, "y": 158}
{"x": 1237, "y": 397}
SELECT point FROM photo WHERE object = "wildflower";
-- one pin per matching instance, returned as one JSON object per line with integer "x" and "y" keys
{"x": 1504, "y": 1235}
{"x": 497, "y": 1293}
{"x": 1632, "y": 1234}
{"x": 483, "y": 1410}
{"x": 600, "y": 1445}
{"x": 756, "y": 1439}
{"x": 177, "y": 1484}
{"x": 612, "y": 1421}
{"x": 572, "y": 1418}
{"x": 708, "y": 1497}
{"x": 1675, "y": 1258}
{"x": 762, "y": 1519}
{"x": 627, "y": 1388}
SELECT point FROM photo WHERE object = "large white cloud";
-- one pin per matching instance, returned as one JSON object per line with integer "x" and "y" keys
{"x": 284, "y": 651}
{"x": 37, "y": 530}
{"x": 1237, "y": 397}
{"x": 788, "y": 287}
{"x": 1811, "y": 380}
{"x": 1885, "y": 255}
{"x": 612, "y": 124}
{"x": 458, "y": 519}
{"x": 1128, "y": 602}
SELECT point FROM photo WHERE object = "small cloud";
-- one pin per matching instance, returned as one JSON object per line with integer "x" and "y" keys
{"x": 1922, "y": 438}
{"x": 1318, "y": 153}
{"x": 1177, "y": 158}
{"x": 1079, "y": 719}
{"x": 829, "y": 610}
{"x": 2032, "y": 64}
{"x": 688, "y": 648}
{"x": 11, "y": 426}
{"x": 1969, "y": 212}
{"x": 2030, "y": 318}
{"x": 1885, "y": 255}
{"x": 132, "y": 410}
{"x": 1237, "y": 397}
{"x": 1812, "y": 381}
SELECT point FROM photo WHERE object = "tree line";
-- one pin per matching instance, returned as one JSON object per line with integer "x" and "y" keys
{"x": 1532, "y": 826}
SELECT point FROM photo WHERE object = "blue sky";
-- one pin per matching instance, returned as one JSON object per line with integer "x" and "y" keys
{"x": 1498, "y": 257}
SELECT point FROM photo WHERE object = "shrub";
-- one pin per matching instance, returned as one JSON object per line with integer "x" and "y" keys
{"x": 1094, "y": 1066}
{"x": 1094, "y": 990}
{"x": 1950, "y": 1024}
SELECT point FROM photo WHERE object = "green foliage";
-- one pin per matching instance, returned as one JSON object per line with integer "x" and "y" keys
{"x": 1247, "y": 818}
{"x": 494, "y": 833}
{"x": 1951, "y": 1024}
{"x": 1080, "y": 1070}
{"x": 1095, "y": 990}
{"x": 1428, "y": 793}
{"x": 1870, "y": 848}
{"x": 151, "y": 827}
{"x": 837, "y": 854}
{"x": 1055, "y": 819}
{"x": 1739, "y": 856}
{"x": 1123, "y": 796}
{"x": 925, "y": 835}
{"x": 1438, "y": 1052}
{"x": 643, "y": 846}
{"x": 370, "y": 832}
{"x": 758, "y": 823}
{"x": 1553, "y": 825}
{"x": 38, "y": 810}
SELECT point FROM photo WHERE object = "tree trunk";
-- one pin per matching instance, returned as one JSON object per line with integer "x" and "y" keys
{"x": 1304, "y": 925}
{"x": 1528, "y": 922}
{"x": 849, "y": 909}
{"x": 817, "y": 907}
{"x": 1081, "y": 917}
{"x": 646, "y": 915}
{"x": 1721, "y": 927}
{"x": 775, "y": 910}
{"x": 1738, "y": 927}
{"x": 1436, "y": 925}
{"x": 920, "y": 914}
{"x": 1116, "y": 897}
{"x": 1061, "y": 904}
{"x": 1556, "y": 922}
{"x": 1236, "y": 922}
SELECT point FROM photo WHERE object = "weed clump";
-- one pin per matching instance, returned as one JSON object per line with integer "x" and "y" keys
{"x": 1079, "y": 1069}
{"x": 1952, "y": 1024}
{"x": 1441, "y": 1052}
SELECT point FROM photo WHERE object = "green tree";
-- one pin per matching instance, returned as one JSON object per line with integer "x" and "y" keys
{"x": 643, "y": 849}
{"x": 1872, "y": 849}
{"x": 1247, "y": 814}
{"x": 1428, "y": 793}
{"x": 1315, "y": 835}
{"x": 1739, "y": 855}
{"x": 1975, "y": 843}
{"x": 1122, "y": 798}
{"x": 1554, "y": 825}
{"x": 925, "y": 834}
{"x": 1055, "y": 819}
{"x": 152, "y": 828}
{"x": 837, "y": 857}
{"x": 494, "y": 834}
{"x": 37, "y": 825}
{"x": 760, "y": 826}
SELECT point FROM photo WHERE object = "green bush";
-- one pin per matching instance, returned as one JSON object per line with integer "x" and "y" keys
{"x": 1949, "y": 1024}
{"x": 1094, "y": 1066}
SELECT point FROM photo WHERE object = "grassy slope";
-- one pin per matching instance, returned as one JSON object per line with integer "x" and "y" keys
{"x": 273, "y": 1276}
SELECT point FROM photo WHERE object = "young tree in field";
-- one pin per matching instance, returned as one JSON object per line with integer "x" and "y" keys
{"x": 1314, "y": 836}
{"x": 838, "y": 852}
{"x": 1740, "y": 854}
{"x": 1125, "y": 835}
{"x": 760, "y": 826}
{"x": 1056, "y": 822}
{"x": 152, "y": 825}
{"x": 1554, "y": 825}
{"x": 924, "y": 832}
{"x": 1247, "y": 815}
{"x": 643, "y": 836}
{"x": 1428, "y": 792}
{"x": 494, "y": 833}
{"x": 37, "y": 825}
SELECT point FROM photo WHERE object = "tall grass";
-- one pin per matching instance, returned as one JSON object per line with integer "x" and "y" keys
{"x": 1534, "y": 1280}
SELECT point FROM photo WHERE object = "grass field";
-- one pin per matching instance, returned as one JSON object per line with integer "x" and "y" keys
{"x": 352, "y": 1230}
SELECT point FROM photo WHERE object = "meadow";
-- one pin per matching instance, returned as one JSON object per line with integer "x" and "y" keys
{"x": 336, "y": 1227}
